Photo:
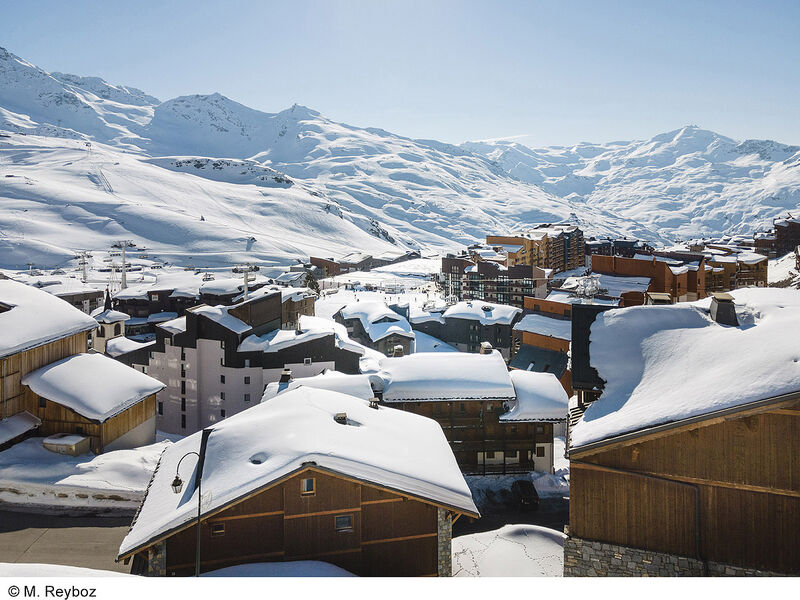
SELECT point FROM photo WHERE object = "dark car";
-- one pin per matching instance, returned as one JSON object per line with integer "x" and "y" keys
{"x": 525, "y": 494}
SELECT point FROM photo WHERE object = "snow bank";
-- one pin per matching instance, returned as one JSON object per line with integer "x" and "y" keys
{"x": 26, "y": 570}
{"x": 667, "y": 363}
{"x": 292, "y": 568}
{"x": 31, "y": 476}
{"x": 511, "y": 551}
{"x": 93, "y": 385}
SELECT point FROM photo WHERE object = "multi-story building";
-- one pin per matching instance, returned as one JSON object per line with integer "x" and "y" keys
{"x": 217, "y": 360}
{"x": 377, "y": 326}
{"x": 557, "y": 247}
{"x": 488, "y": 280}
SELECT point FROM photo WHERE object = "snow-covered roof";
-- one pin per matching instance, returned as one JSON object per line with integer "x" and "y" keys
{"x": 109, "y": 315}
{"x": 370, "y": 313}
{"x": 220, "y": 314}
{"x": 175, "y": 325}
{"x": 671, "y": 362}
{"x": 485, "y": 312}
{"x": 540, "y": 397}
{"x": 58, "y": 285}
{"x": 544, "y": 325}
{"x": 257, "y": 447}
{"x": 93, "y": 385}
{"x": 180, "y": 283}
{"x": 445, "y": 376}
{"x": 162, "y": 317}
{"x": 289, "y": 568}
{"x": 122, "y": 345}
{"x": 16, "y": 425}
{"x": 352, "y": 385}
{"x": 418, "y": 315}
{"x": 278, "y": 339}
{"x": 30, "y": 317}
{"x": 612, "y": 285}
{"x": 566, "y": 297}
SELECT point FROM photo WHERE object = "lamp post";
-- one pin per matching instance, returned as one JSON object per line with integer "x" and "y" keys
{"x": 177, "y": 486}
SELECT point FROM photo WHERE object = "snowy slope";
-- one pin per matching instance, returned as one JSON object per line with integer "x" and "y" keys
{"x": 685, "y": 183}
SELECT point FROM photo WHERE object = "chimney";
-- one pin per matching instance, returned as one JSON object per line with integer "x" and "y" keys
{"x": 398, "y": 350}
{"x": 286, "y": 376}
{"x": 373, "y": 403}
{"x": 723, "y": 310}
{"x": 340, "y": 418}
{"x": 486, "y": 348}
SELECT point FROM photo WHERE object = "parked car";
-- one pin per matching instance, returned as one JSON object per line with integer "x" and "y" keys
{"x": 525, "y": 494}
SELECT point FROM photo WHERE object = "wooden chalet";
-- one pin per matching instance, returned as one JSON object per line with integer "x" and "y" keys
{"x": 701, "y": 477}
{"x": 309, "y": 474}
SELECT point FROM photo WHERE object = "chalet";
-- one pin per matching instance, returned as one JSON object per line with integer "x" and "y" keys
{"x": 679, "y": 463}
{"x": 376, "y": 326}
{"x": 36, "y": 329}
{"x": 469, "y": 324}
{"x": 216, "y": 360}
{"x": 69, "y": 288}
{"x": 467, "y": 394}
{"x": 94, "y": 396}
{"x": 308, "y": 475}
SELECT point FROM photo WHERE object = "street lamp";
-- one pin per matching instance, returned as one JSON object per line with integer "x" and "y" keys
{"x": 177, "y": 486}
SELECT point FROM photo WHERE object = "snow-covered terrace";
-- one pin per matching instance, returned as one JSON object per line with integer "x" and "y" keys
{"x": 668, "y": 363}
{"x": 255, "y": 448}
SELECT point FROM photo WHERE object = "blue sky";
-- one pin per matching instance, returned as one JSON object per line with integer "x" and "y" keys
{"x": 551, "y": 72}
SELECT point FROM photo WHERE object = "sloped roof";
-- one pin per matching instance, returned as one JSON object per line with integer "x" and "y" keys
{"x": 540, "y": 397}
{"x": 255, "y": 448}
{"x": 30, "y": 317}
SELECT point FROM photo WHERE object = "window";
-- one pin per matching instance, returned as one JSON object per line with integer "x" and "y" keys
{"x": 79, "y": 430}
{"x": 462, "y": 407}
{"x": 246, "y": 362}
{"x": 167, "y": 342}
{"x": 539, "y": 451}
{"x": 217, "y": 529}
{"x": 222, "y": 395}
{"x": 183, "y": 370}
{"x": 222, "y": 378}
{"x": 42, "y": 402}
{"x": 344, "y": 523}
{"x": 490, "y": 455}
{"x": 183, "y": 404}
{"x": 161, "y": 408}
{"x": 183, "y": 421}
{"x": 306, "y": 361}
{"x": 183, "y": 387}
{"x": 117, "y": 329}
{"x": 101, "y": 332}
{"x": 222, "y": 413}
{"x": 307, "y": 486}
{"x": 247, "y": 380}
{"x": 222, "y": 344}
{"x": 183, "y": 354}
{"x": 247, "y": 397}
{"x": 150, "y": 354}
{"x": 540, "y": 429}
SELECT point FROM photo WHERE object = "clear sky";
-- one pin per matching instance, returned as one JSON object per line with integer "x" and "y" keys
{"x": 553, "y": 72}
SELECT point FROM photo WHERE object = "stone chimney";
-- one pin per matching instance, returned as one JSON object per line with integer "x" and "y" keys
{"x": 723, "y": 310}
{"x": 398, "y": 351}
{"x": 486, "y": 348}
{"x": 286, "y": 376}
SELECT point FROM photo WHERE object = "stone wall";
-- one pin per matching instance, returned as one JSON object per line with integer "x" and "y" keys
{"x": 585, "y": 558}
{"x": 444, "y": 538}
{"x": 157, "y": 560}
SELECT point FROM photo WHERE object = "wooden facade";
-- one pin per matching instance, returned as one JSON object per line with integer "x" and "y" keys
{"x": 723, "y": 489}
{"x": 57, "y": 418}
{"x": 481, "y": 443}
{"x": 13, "y": 368}
{"x": 390, "y": 534}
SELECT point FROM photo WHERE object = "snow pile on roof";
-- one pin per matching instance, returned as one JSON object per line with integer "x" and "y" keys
{"x": 109, "y": 315}
{"x": 352, "y": 385}
{"x": 26, "y": 570}
{"x": 511, "y": 551}
{"x": 180, "y": 283}
{"x": 543, "y": 325}
{"x": 427, "y": 343}
{"x": 445, "y": 376}
{"x": 175, "y": 325}
{"x": 162, "y": 317}
{"x": 671, "y": 362}
{"x": 58, "y": 285}
{"x": 611, "y": 285}
{"x": 16, "y": 425}
{"x": 377, "y": 319}
{"x": 122, "y": 345}
{"x": 566, "y": 297}
{"x": 93, "y": 385}
{"x": 290, "y": 568}
{"x": 30, "y": 317}
{"x": 485, "y": 312}
{"x": 220, "y": 315}
{"x": 540, "y": 397}
{"x": 257, "y": 447}
{"x": 416, "y": 314}
{"x": 278, "y": 339}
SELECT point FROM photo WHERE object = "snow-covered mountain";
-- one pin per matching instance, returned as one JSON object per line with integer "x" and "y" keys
{"x": 686, "y": 183}
{"x": 204, "y": 180}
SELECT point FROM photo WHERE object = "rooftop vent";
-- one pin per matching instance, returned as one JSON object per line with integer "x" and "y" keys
{"x": 486, "y": 308}
{"x": 340, "y": 418}
{"x": 373, "y": 403}
{"x": 723, "y": 310}
{"x": 286, "y": 376}
{"x": 486, "y": 348}
{"x": 398, "y": 350}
